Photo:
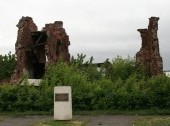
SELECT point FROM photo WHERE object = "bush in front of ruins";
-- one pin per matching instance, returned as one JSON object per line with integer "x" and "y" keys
{"x": 159, "y": 91}
{"x": 124, "y": 68}
{"x": 104, "y": 91}
{"x": 130, "y": 90}
{"x": 25, "y": 98}
{"x": 87, "y": 67}
{"x": 63, "y": 74}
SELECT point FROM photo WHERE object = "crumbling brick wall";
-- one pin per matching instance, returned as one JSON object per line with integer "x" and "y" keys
{"x": 149, "y": 54}
{"x": 57, "y": 42}
{"x": 35, "y": 49}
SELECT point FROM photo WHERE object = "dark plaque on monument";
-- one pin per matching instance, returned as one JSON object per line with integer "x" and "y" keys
{"x": 61, "y": 97}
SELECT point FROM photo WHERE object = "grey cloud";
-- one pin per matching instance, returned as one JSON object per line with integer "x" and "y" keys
{"x": 99, "y": 28}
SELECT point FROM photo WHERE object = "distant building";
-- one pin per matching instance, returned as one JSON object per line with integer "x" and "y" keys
{"x": 167, "y": 73}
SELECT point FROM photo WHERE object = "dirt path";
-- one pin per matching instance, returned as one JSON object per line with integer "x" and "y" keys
{"x": 108, "y": 120}
{"x": 22, "y": 121}
{"x": 97, "y": 120}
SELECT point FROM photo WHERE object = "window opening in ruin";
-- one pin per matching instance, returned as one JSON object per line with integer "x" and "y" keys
{"x": 37, "y": 57}
{"x": 58, "y": 47}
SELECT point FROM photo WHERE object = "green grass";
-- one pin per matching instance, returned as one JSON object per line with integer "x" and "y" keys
{"x": 1, "y": 118}
{"x": 154, "y": 121}
{"x": 59, "y": 123}
{"x": 97, "y": 112}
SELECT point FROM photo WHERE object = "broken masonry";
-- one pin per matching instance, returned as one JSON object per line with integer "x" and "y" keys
{"x": 37, "y": 49}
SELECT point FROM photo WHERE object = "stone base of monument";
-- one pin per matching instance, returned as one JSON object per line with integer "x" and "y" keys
{"x": 62, "y": 103}
{"x": 34, "y": 82}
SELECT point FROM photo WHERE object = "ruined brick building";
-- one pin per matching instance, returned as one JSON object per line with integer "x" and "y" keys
{"x": 35, "y": 49}
{"x": 149, "y": 54}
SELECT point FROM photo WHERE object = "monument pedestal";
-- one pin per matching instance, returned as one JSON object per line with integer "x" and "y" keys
{"x": 62, "y": 103}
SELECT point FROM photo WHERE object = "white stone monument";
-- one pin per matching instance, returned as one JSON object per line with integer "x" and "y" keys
{"x": 62, "y": 103}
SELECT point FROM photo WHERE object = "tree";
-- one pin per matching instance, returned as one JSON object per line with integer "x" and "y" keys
{"x": 7, "y": 65}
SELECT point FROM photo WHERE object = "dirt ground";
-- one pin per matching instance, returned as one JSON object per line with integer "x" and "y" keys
{"x": 22, "y": 121}
{"x": 108, "y": 120}
{"x": 97, "y": 120}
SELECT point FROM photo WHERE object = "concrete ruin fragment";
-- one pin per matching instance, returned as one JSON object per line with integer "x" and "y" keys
{"x": 149, "y": 54}
{"x": 35, "y": 49}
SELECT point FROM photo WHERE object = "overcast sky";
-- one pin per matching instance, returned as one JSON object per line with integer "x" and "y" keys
{"x": 99, "y": 28}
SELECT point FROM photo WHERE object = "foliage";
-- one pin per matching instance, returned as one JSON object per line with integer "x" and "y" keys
{"x": 7, "y": 65}
{"x": 88, "y": 68}
{"x": 116, "y": 85}
{"x": 122, "y": 68}
{"x": 24, "y": 98}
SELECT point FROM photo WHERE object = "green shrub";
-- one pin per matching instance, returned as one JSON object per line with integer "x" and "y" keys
{"x": 159, "y": 91}
{"x": 122, "y": 68}
{"x": 117, "y": 85}
{"x": 7, "y": 65}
